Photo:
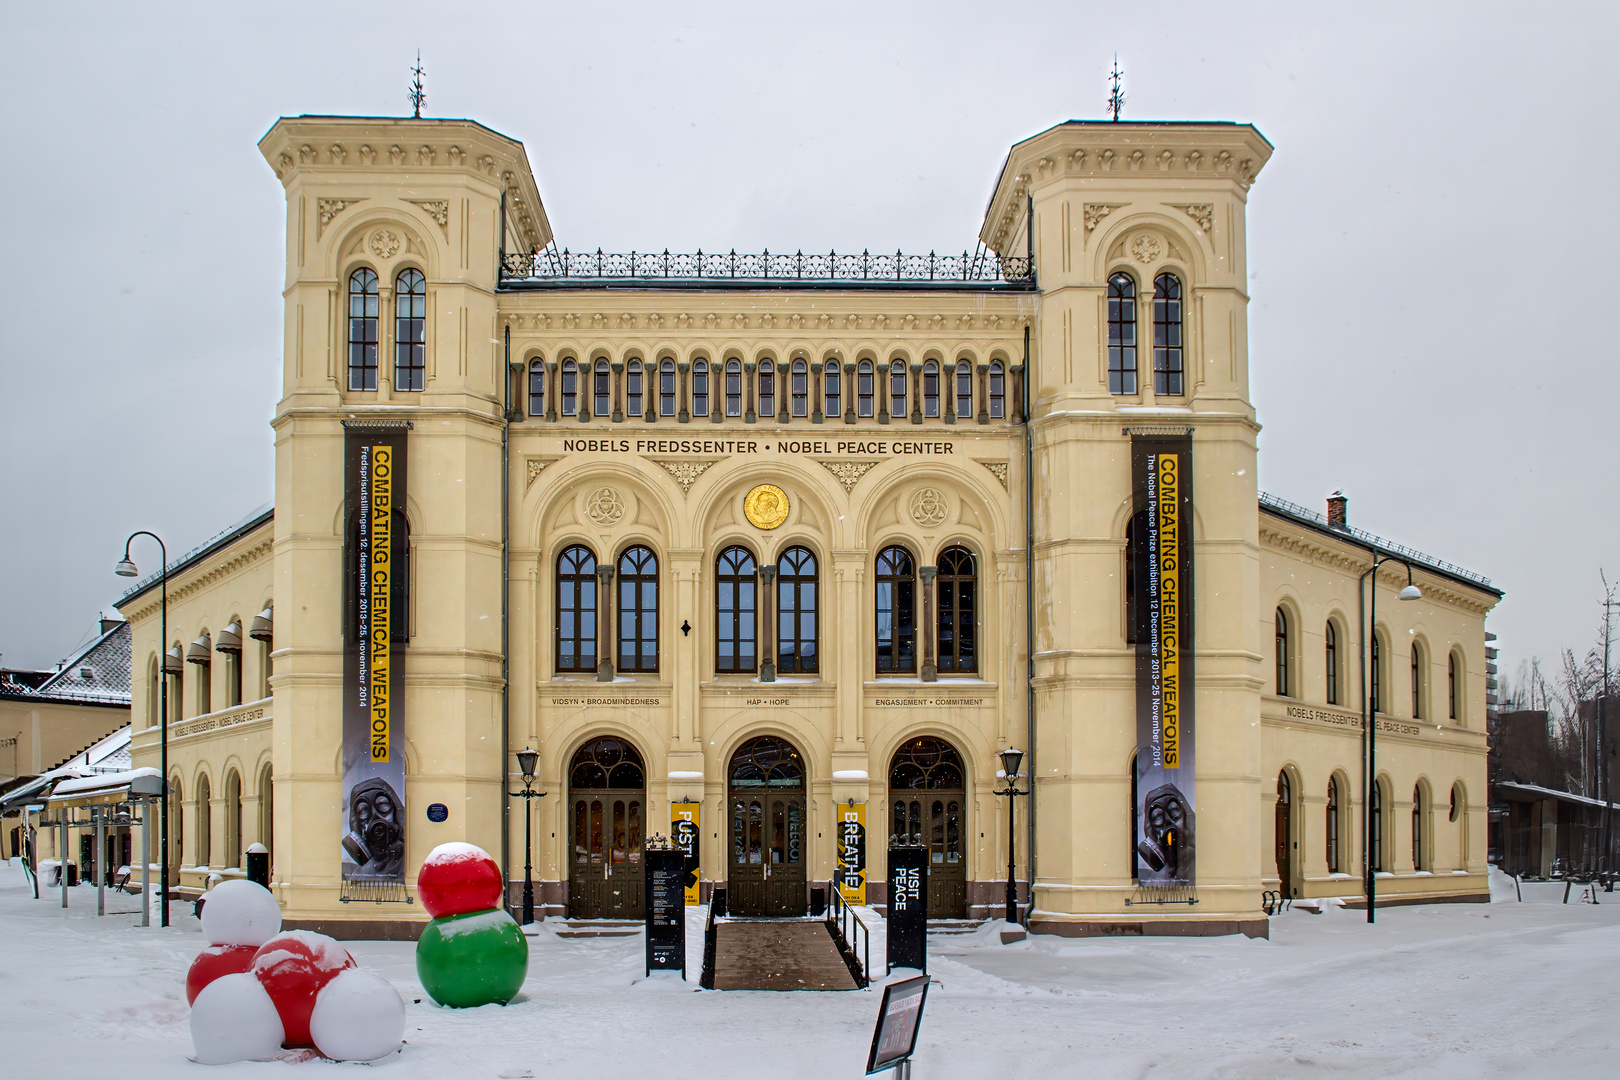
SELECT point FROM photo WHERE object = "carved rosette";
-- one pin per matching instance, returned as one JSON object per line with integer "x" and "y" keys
{"x": 1146, "y": 249}
{"x": 604, "y": 506}
{"x": 849, "y": 473}
{"x": 385, "y": 243}
{"x": 928, "y": 507}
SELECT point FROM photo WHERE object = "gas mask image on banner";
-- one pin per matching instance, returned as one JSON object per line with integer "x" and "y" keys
{"x": 375, "y": 841}
{"x": 1167, "y": 834}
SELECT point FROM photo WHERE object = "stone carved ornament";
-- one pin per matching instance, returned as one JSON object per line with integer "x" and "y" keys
{"x": 604, "y": 506}
{"x": 928, "y": 507}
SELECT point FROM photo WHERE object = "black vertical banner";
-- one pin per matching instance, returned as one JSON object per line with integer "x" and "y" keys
{"x": 1166, "y": 808}
{"x": 376, "y": 551}
{"x": 665, "y": 898}
{"x": 907, "y": 920}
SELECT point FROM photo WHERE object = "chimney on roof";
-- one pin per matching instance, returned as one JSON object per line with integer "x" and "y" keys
{"x": 1338, "y": 511}
{"x": 107, "y": 625}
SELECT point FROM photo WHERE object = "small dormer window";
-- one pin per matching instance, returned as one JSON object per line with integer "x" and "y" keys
{"x": 87, "y": 674}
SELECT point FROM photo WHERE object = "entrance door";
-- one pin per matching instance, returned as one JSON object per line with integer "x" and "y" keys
{"x": 926, "y": 791}
{"x": 608, "y": 793}
{"x": 767, "y": 874}
{"x": 1284, "y": 832}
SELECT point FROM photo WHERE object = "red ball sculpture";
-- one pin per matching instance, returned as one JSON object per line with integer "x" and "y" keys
{"x": 214, "y": 961}
{"x": 293, "y": 967}
{"x": 458, "y": 879}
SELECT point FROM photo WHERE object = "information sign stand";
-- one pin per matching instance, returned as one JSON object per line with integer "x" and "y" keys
{"x": 895, "y": 1037}
{"x": 666, "y": 909}
{"x": 908, "y": 907}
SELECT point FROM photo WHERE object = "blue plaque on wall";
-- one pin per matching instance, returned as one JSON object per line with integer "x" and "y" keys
{"x": 438, "y": 812}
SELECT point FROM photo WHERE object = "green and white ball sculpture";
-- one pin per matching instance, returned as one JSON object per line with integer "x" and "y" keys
{"x": 473, "y": 952}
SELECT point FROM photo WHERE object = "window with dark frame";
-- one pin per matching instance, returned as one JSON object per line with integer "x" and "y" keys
{"x": 1167, "y": 335}
{"x": 1417, "y": 681}
{"x": 1419, "y": 863}
{"x": 638, "y": 610}
{"x": 734, "y": 391}
{"x": 1451, "y": 683}
{"x": 1376, "y": 818}
{"x": 666, "y": 388}
{"x": 736, "y": 640}
{"x": 537, "y": 389}
{"x": 576, "y": 609}
{"x": 767, "y": 390}
{"x": 1121, "y": 334}
{"x": 896, "y": 615}
{"x": 700, "y": 388}
{"x": 1376, "y": 680}
{"x": 998, "y": 391}
{"x": 634, "y": 404}
{"x": 410, "y": 331}
{"x": 797, "y": 613}
{"x": 957, "y": 585}
{"x": 570, "y": 387}
{"x": 897, "y": 389}
{"x": 1282, "y": 653}
{"x": 363, "y": 314}
{"x": 801, "y": 388}
{"x": 964, "y": 390}
{"x": 865, "y": 388}
{"x": 930, "y": 388}
{"x": 602, "y": 388}
{"x": 1330, "y": 638}
{"x": 830, "y": 387}
{"x": 1333, "y": 825}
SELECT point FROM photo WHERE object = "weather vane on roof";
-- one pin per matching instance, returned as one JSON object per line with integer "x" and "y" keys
{"x": 1116, "y": 95}
{"x": 417, "y": 94}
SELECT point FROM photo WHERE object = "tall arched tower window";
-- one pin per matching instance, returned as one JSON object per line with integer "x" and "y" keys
{"x": 1282, "y": 653}
{"x": 801, "y": 388}
{"x": 1417, "y": 680}
{"x": 700, "y": 388}
{"x": 964, "y": 390}
{"x": 734, "y": 392}
{"x": 896, "y": 623}
{"x": 930, "y": 390}
{"x": 1121, "y": 334}
{"x": 958, "y": 611}
{"x": 797, "y": 613}
{"x": 1330, "y": 639}
{"x": 602, "y": 389}
{"x": 767, "y": 390}
{"x": 666, "y": 388}
{"x": 638, "y": 610}
{"x": 831, "y": 391}
{"x": 363, "y": 314}
{"x": 633, "y": 401}
{"x": 897, "y": 389}
{"x": 865, "y": 389}
{"x": 998, "y": 391}
{"x": 734, "y": 601}
{"x": 570, "y": 387}
{"x": 576, "y": 609}
{"x": 1167, "y": 335}
{"x": 410, "y": 331}
{"x": 537, "y": 389}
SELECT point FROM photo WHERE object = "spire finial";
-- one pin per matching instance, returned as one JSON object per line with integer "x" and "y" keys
{"x": 1116, "y": 95}
{"x": 417, "y": 94}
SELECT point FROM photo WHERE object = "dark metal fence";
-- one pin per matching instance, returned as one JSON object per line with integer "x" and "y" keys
{"x": 969, "y": 270}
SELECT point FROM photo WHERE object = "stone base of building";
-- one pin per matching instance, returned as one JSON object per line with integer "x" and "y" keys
{"x": 360, "y": 929}
{"x": 1414, "y": 901}
{"x": 1254, "y": 928}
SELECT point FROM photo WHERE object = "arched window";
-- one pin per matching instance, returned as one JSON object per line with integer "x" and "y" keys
{"x": 570, "y": 387}
{"x": 1332, "y": 824}
{"x": 700, "y": 388}
{"x": 801, "y": 388}
{"x": 964, "y": 390}
{"x": 537, "y": 389}
{"x": 410, "y": 331}
{"x": 958, "y": 611}
{"x": 1330, "y": 639}
{"x": 1167, "y": 335}
{"x": 831, "y": 387}
{"x": 1282, "y": 653}
{"x": 363, "y": 315}
{"x": 920, "y": 766}
{"x": 734, "y": 601}
{"x": 1459, "y": 815}
{"x": 897, "y": 389}
{"x": 666, "y": 388}
{"x": 734, "y": 392}
{"x": 998, "y": 391}
{"x": 233, "y": 819}
{"x": 607, "y": 765}
{"x": 576, "y": 609}
{"x": 1376, "y": 673}
{"x": 634, "y": 404}
{"x": 1419, "y": 833}
{"x": 153, "y": 693}
{"x": 1121, "y": 334}
{"x": 865, "y": 389}
{"x": 638, "y": 610}
{"x": 767, "y": 390}
{"x": 896, "y": 611}
{"x": 1417, "y": 680}
{"x": 1283, "y": 833}
{"x": 602, "y": 389}
{"x": 930, "y": 389}
{"x": 177, "y": 823}
{"x": 1376, "y": 829}
{"x": 205, "y": 831}
{"x": 1454, "y": 686}
{"x": 267, "y": 809}
{"x": 797, "y": 610}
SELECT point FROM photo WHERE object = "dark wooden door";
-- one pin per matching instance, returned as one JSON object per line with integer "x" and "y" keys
{"x": 605, "y": 877}
{"x": 934, "y": 819}
{"x": 1283, "y": 830}
{"x": 768, "y": 857}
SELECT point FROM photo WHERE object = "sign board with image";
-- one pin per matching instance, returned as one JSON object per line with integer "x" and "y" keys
{"x": 895, "y": 1037}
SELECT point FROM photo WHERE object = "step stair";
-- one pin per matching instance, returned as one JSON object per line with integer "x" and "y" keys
{"x": 597, "y": 928}
{"x": 778, "y": 954}
{"x": 954, "y": 926}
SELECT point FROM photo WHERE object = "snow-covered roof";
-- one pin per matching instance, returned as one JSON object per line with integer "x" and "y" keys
{"x": 98, "y": 674}
{"x": 256, "y": 518}
{"x": 110, "y": 754}
{"x": 1548, "y": 793}
{"x": 104, "y": 784}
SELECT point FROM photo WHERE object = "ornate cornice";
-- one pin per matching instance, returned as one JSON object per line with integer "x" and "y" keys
{"x": 198, "y": 579}
{"x": 1354, "y": 562}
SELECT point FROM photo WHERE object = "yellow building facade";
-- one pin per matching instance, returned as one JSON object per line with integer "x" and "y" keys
{"x": 761, "y": 540}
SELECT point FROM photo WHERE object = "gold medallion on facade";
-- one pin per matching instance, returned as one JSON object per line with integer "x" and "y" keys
{"x": 766, "y": 506}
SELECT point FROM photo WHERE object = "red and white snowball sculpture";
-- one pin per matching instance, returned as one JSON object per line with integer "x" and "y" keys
{"x": 255, "y": 991}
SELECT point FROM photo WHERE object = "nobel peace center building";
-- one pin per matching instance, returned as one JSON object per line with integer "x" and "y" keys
{"x": 776, "y": 554}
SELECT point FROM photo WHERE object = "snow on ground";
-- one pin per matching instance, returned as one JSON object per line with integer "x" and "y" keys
{"x": 1511, "y": 989}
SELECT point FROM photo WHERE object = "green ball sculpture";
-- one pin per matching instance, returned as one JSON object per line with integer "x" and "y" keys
{"x": 465, "y": 961}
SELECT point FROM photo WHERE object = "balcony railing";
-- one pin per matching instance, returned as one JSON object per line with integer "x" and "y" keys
{"x": 969, "y": 271}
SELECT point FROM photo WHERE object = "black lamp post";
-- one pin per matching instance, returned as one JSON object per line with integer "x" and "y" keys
{"x": 126, "y": 568}
{"x": 1370, "y": 726}
{"x": 526, "y": 760}
{"x": 1011, "y": 759}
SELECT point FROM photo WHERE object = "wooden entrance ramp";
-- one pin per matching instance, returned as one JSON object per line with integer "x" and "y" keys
{"x": 778, "y": 954}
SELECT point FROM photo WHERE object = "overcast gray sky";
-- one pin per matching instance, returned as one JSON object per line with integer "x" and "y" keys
{"x": 1431, "y": 328}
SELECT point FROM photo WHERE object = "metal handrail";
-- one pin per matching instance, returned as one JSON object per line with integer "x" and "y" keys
{"x": 844, "y": 924}
{"x": 985, "y": 268}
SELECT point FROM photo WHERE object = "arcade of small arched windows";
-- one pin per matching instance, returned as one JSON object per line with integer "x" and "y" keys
{"x": 767, "y": 618}
{"x": 214, "y": 826}
{"x": 765, "y": 390}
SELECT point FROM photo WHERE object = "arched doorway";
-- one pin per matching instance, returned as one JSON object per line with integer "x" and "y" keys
{"x": 768, "y": 856}
{"x": 608, "y": 786}
{"x": 1284, "y": 831}
{"x": 926, "y": 797}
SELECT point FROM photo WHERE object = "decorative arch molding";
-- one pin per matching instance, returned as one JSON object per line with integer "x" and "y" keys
{"x": 386, "y": 239}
